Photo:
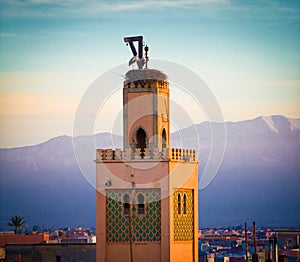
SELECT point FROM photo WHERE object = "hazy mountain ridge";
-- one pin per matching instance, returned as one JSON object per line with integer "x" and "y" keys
{"x": 260, "y": 172}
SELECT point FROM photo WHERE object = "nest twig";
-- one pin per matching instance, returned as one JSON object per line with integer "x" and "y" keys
{"x": 144, "y": 74}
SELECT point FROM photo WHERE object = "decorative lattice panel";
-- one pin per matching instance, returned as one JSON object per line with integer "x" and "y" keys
{"x": 183, "y": 223}
{"x": 144, "y": 228}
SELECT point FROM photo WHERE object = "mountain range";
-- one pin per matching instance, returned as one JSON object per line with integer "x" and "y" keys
{"x": 258, "y": 179}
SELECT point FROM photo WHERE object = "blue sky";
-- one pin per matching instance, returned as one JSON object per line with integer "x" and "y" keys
{"x": 50, "y": 52}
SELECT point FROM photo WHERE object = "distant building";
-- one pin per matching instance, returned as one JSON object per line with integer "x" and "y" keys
{"x": 23, "y": 239}
{"x": 50, "y": 252}
{"x": 147, "y": 193}
{"x": 17, "y": 239}
{"x": 289, "y": 239}
{"x": 289, "y": 255}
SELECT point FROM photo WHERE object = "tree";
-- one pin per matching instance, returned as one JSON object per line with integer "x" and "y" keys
{"x": 17, "y": 222}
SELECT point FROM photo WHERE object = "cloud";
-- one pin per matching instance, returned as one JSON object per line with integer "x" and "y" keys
{"x": 55, "y": 8}
{"x": 266, "y": 10}
{"x": 87, "y": 9}
{"x": 156, "y": 4}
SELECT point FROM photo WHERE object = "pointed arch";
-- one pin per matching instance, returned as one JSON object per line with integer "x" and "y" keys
{"x": 141, "y": 204}
{"x": 184, "y": 204}
{"x": 179, "y": 204}
{"x": 164, "y": 138}
{"x": 126, "y": 204}
{"x": 140, "y": 138}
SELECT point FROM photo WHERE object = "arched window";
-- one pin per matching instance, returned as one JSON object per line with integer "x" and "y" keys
{"x": 179, "y": 204}
{"x": 140, "y": 138}
{"x": 184, "y": 204}
{"x": 164, "y": 138}
{"x": 126, "y": 204}
{"x": 141, "y": 204}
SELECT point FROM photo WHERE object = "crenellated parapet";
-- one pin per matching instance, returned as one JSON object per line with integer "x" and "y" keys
{"x": 150, "y": 154}
{"x": 147, "y": 84}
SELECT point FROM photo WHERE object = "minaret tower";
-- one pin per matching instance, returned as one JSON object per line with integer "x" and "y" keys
{"x": 146, "y": 110}
{"x": 147, "y": 193}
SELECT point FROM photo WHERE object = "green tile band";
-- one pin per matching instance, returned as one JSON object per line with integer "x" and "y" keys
{"x": 145, "y": 228}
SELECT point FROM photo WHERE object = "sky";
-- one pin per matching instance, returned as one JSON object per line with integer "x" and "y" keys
{"x": 248, "y": 52}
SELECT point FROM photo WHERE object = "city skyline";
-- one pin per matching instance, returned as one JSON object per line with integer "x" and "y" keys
{"x": 247, "y": 52}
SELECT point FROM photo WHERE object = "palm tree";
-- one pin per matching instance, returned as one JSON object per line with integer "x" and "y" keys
{"x": 17, "y": 222}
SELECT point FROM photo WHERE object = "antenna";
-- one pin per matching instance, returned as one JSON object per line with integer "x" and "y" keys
{"x": 137, "y": 57}
{"x": 146, "y": 55}
{"x": 254, "y": 255}
{"x": 246, "y": 241}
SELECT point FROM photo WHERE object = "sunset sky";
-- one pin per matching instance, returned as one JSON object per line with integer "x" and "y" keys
{"x": 248, "y": 52}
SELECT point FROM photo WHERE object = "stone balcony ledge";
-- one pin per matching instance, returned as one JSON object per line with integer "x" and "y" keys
{"x": 148, "y": 154}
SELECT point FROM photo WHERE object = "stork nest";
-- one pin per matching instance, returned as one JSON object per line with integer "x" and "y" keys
{"x": 144, "y": 74}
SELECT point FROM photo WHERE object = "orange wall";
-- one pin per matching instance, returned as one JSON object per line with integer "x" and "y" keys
{"x": 144, "y": 173}
{"x": 149, "y": 174}
{"x": 182, "y": 252}
{"x": 149, "y": 109}
{"x": 184, "y": 175}
{"x": 22, "y": 239}
{"x": 140, "y": 252}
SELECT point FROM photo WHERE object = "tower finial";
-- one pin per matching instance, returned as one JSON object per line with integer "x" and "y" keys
{"x": 137, "y": 57}
{"x": 146, "y": 56}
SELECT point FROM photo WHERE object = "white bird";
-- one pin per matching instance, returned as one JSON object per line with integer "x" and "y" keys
{"x": 136, "y": 59}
